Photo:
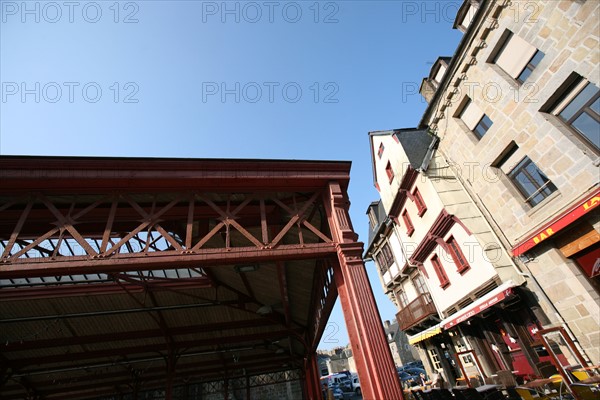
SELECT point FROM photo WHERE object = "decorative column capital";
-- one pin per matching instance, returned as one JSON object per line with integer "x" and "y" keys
{"x": 340, "y": 206}
{"x": 351, "y": 252}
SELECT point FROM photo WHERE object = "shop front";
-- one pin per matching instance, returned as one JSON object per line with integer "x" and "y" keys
{"x": 493, "y": 339}
{"x": 496, "y": 339}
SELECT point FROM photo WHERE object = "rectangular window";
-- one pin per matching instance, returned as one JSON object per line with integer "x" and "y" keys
{"x": 485, "y": 123}
{"x": 465, "y": 15}
{"x": 440, "y": 272}
{"x": 372, "y": 216}
{"x": 389, "y": 171}
{"x": 435, "y": 359}
{"x": 380, "y": 151}
{"x": 516, "y": 56}
{"x": 461, "y": 262}
{"x": 421, "y": 207}
{"x": 579, "y": 108}
{"x": 419, "y": 284}
{"x": 402, "y": 299}
{"x": 527, "y": 178}
{"x": 535, "y": 60}
{"x": 475, "y": 119}
{"x": 439, "y": 75}
{"x": 533, "y": 184}
{"x": 384, "y": 258}
{"x": 407, "y": 221}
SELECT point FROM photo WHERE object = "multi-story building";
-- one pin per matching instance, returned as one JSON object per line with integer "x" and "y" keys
{"x": 515, "y": 117}
{"x": 441, "y": 264}
{"x": 517, "y": 112}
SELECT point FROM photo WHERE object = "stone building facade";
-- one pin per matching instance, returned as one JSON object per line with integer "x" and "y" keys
{"x": 402, "y": 352}
{"x": 515, "y": 117}
{"x": 518, "y": 116}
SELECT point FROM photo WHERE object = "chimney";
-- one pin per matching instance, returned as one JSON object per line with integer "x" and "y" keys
{"x": 387, "y": 324}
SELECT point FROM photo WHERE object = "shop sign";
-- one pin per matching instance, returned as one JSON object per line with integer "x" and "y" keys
{"x": 479, "y": 308}
{"x": 559, "y": 223}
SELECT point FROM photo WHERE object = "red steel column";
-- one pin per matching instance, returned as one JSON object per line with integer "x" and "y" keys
{"x": 376, "y": 369}
{"x": 312, "y": 383}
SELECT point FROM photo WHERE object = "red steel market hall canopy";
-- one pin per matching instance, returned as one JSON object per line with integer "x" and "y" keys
{"x": 120, "y": 275}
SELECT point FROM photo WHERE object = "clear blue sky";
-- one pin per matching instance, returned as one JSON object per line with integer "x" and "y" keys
{"x": 291, "y": 80}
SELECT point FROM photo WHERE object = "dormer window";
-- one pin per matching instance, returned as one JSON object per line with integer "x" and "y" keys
{"x": 372, "y": 217}
{"x": 439, "y": 74}
{"x": 465, "y": 15}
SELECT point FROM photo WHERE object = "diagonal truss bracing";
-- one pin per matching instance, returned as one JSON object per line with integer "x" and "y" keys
{"x": 70, "y": 231}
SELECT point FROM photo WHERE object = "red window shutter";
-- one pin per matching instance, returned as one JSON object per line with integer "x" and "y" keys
{"x": 380, "y": 151}
{"x": 407, "y": 221}
{"x": 421, "y": 207}
{"x": 389, "y": 171}
{"x": 461, "y": 262}
{"x": 441, "y": 273}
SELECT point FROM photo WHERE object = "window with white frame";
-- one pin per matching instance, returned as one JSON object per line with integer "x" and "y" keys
{"x": 402, "y": 298}
{"x": 474, "y": 118}
{"x": 419, "y": 284}
{"x": 516, "y": 57}
{"x": 439, "y": 74}
{"x": 464, "y": 21}
{"x": 435, "y": 359}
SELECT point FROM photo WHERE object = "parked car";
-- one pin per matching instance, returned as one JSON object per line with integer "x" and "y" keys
{"x": 345, "y": 385}
{"x": 414, "y": 364}
{"x": 408, "y": 379}
{"x": 333, "y": 379}
{"x": 411, "y": 376}
{"x": 416, "y": 371}
{"x": 356, "y": 385}
{"x": 337, "y": 393}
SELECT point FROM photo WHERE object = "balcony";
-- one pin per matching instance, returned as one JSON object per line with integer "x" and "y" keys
{"x": 416, "y": 312}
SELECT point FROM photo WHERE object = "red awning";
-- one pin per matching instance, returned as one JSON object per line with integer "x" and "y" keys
{"x": 494, "y": 297}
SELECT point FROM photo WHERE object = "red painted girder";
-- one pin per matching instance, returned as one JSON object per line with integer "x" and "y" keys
{"x": 66, "y": 290}
{"x": 114, "y": 336}
{"x": 154, "y": 348}
{"x": 88, "y": 175}
{"x": 332, "y": 296}
{"x": 161, "y": 260}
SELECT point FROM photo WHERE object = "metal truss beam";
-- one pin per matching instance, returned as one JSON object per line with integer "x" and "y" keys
{"x": 158, "y": 260}
{"x": 115, "y": 336}
{"x": 125, "y": 351}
